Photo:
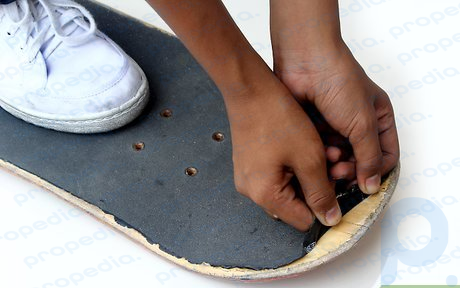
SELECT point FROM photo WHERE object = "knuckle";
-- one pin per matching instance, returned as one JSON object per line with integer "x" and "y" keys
{"x": 311, "y": 162}
{"x": 386, "y": 120}
{"x": 241, "y": 189}
{"x": 365, "y": 130}
{"x": 259, "y": 197}
{"x": 320, "y": 200}
{"x": 367, "y": 124}
{"x": 372, "y": 164}
{"x": 280, "y": 198}
{"x": 258, "y": 186}
{"x": 395, "y": 159}
{"x": 267, "y": 195}
{"x": 391, "y": 162}
{"x": 240, "y": 185}
{"x": 256, "y": 195}
{"x": 317, "y": 159}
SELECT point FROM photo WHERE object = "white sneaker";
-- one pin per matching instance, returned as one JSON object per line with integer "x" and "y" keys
{"x": 58, "y": 71}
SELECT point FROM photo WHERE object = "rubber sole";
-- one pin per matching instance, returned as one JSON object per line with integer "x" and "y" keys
{"x": 104, "y": 122}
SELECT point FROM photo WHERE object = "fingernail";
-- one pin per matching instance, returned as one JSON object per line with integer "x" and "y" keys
{"x": 373, "y": 184}
{"x": 333, "y": 216}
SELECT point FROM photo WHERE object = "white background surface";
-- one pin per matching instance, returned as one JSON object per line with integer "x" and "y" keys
{"x": 428, "y": 120}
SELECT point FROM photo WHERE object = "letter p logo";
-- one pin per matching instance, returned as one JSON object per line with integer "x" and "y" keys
{"x": 415, "y": 258}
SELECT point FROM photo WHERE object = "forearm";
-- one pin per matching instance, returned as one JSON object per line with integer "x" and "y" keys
{"x": 210, "y": 34}
{"x": 274, "y": 133}
{"x": 304, "y": 27}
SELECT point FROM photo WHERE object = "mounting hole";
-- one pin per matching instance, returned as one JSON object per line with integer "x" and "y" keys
{"x": 166, "y": 113}
{"x": 218, "y": 136}
{"x": 191, "y": 171}
{"x": 139, "y": 146}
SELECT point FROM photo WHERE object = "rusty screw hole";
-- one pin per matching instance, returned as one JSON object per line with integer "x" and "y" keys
{"x": 218, "y": 136}
{"x": 191, "y": 171}
{"x": 139, "y": 146}
{"x": 166, "y": 113}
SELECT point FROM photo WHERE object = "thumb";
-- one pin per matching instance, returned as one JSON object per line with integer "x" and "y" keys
{"x": 319, "y": 193}
{"x": 365, "y": 141}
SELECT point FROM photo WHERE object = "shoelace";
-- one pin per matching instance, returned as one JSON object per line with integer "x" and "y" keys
{"x": 52, "y": 16}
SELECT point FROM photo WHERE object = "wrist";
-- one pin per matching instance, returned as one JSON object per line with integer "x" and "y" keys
{"x": 304, "y": 27}
{"x": 253, "y": 96}
{"x": 307, "y": 41}
{"x": 310, "y": 58}
{"x": 245, "y": 82}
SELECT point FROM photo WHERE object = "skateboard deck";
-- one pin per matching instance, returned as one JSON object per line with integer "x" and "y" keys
{"x": 166, "y": 180}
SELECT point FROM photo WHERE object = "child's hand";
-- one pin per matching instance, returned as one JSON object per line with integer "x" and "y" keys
{"x": 339, "y": 152}
{"x": 351, "y": 103}
{"x": 272, "y": 143}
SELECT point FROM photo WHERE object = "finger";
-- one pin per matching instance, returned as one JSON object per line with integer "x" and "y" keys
{"x": 333, "y": 154}
{"x": 341, "y": 143}
{"x": 333, "y": 138}
{"x": 285, "y": 206}
{"x": 273, "y": 216}
{"x": 318, "y": 191}
{"x": 387, "y": 133}
{"x": 390, "y": 149}
{"x": 365, "y": 141}
{"x": 345, "y": 147}
{"x": 343, "y": 170}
